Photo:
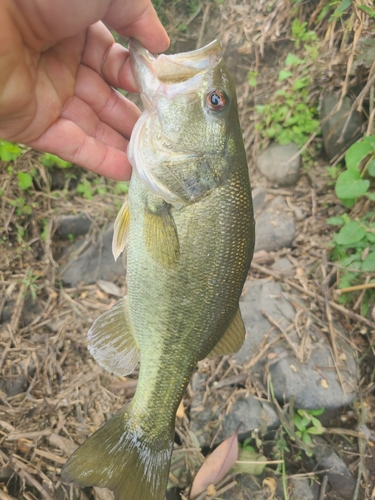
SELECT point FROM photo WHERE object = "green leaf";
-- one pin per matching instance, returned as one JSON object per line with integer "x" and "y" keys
{"x": 368, "y": 265}
{"x": 335, "y": 221}
{"x": 306, "y": 438}
{"x": 24, "y": 180}
{"x": 297, "y": 420}
{"x": 350, "y": 185}
{"x": 345, "y": 4}
{"x": 370, "y": 196}
{"x": 291, "y": 59}
{"x": 356, "y": 153}
{"x": 350, "y": 233}
{"x": 371, "y": 168}
{"x": 252, "y": 77}
{"x": 301, "y": 83}
{"x": 315, "y": 430}
{"x": 317, "y": 412}
{"x": 284, "y": 75}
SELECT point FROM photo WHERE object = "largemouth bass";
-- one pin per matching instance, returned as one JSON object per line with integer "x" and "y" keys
{"x": 190, "y": 231}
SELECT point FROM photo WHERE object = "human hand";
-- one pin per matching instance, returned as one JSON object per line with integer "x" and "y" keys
{"x": 58, "y": 67}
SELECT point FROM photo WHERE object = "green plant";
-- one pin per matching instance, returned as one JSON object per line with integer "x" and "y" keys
{"x": 9, "y": 151}
{"x": 353, "y": 247}
{"x": 50, "y": 160}
{"x": 355, "y": 181}
{"x": 29, "y": 282}
{"x": 307, "y": 424}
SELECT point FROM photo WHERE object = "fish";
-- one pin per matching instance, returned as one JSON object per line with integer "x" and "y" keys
{"x": 188, "y": 228}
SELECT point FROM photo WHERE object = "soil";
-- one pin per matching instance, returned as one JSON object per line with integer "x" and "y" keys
{"x": 52, "y": 393}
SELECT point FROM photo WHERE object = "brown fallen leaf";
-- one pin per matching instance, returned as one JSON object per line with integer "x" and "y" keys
{"x": 216, "y": 466}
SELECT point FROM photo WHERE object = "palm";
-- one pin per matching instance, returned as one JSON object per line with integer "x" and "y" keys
{"x": 58, "y": 96}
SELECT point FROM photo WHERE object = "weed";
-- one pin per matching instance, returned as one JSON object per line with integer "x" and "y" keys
{"x": 29, "y": 282}
{"x": 9, "y": 151}
{"x": 307, "y": 424}
{"x": 353, "y": 247}
{"x": 50, "y": 160}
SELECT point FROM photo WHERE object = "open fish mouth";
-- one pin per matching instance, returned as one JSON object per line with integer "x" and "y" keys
{"x": 172, "y": 74}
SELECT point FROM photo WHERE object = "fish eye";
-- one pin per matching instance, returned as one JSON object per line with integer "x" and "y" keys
{"x": 217, "y": 100}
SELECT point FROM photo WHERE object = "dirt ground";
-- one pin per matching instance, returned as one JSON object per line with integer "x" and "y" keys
{"x": 52, "y": 393}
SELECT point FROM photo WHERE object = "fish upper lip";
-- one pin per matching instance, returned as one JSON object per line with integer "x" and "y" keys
{"x": 171, "y": 74}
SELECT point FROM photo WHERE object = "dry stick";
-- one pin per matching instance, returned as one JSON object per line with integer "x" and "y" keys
{"x": 286, "y": 336}
{"x": 204, "y": 21}
{"x": 330, "y": 323}
{"x": 349, "y": 66}
{"x": 365, "y": 286}
{"x": 4, "y": 496}
{"x": 313, "y": 295}
{"x": 20, "y": 469}
{"x": 357, "y": 104}
{"x": 323, "y": 488}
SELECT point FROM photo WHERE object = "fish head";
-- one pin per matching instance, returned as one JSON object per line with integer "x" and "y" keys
{"x": 181, "y": 145}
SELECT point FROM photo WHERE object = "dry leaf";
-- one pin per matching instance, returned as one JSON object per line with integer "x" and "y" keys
{"x": 324, "y": 383}
{"x": 109, "y": 288}
{"x": 270, "y": 482}
{"x": 216, "y": 466}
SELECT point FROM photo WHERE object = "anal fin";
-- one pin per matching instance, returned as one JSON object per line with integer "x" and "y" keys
{"x": 232, "y": 339}
{"x": 111, "y": 341}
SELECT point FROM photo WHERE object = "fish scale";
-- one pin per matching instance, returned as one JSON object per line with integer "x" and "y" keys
{"x": 189, "y": 226}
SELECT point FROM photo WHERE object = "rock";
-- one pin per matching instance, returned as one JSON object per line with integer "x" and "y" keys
{"x": 275, "y": 227}
{"x": 283, "y": 266}
{"x": 209, "y": 421}
{"x": 15, "y": 385}
{"x": 261, "y": 295}
{"x": 249, "y": 488}
{"x": 332, "y": 126}
{"x": 334, "y": 467}
{"x": 259, "y": 199}
{"x": 95, "y": 263}
{"x": 277, "y": 165}
{"x": 76, "y": 225}
{"x": 312, "y": 380}
{"x": 299, "y": 488}
{"x": 314, "y": 383}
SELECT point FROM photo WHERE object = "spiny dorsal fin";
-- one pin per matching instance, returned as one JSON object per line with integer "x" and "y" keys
{"x": 121, "y": 229}
{"x": 232, "y": 339}
{"x": 111, "y": 341}
{"x": 161, "y": 236}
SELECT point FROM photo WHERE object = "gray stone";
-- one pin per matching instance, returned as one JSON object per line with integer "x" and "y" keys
{"x": 338, "y": 473}
{"x": 76, "y": 225}
{"x": 299, "y": 488}
{"x": 95, "y": 263}
{"x": 261, "y": 295}
{"x": 283, "y": 266}
{"x": 259, "y": 199}
{"x": 315, "y": 383}
{"x": 275, "y": 227}
{"x": 210, "y": 423}
{"x": 312, "y": 378}
{"x": 333, "y": 125}
{"x": 280, "y": 163}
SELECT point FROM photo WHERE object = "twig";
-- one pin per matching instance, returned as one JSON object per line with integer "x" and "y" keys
{"x": 323, "y": 488}
{"x": 364, "y": 286}
{"x": 330, "y": 322}
{"x": 313, "y": 295}
{"x": 204, "y": 22}
{"x": 286, "y": 336}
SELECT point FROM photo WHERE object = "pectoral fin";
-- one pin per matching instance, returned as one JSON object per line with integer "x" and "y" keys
{"x": 121, "y": 229}
{"x": 161, "y": 235}
{"x": 232, "y": 339}
{"x": 111, "y": 341}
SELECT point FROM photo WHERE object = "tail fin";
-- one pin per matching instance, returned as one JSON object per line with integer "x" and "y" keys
{"x": 122, "y": 457}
